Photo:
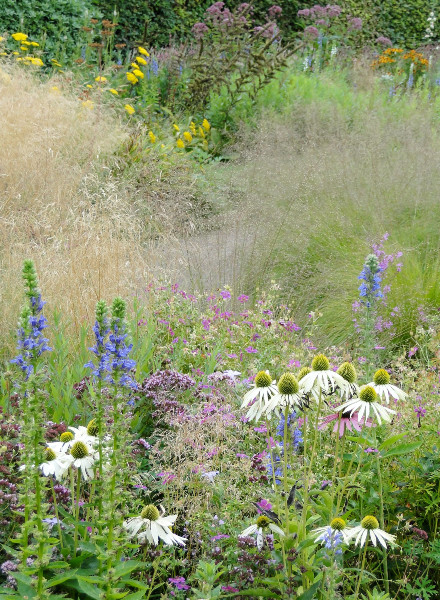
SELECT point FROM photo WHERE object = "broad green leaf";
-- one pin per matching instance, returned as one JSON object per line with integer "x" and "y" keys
{"x": 127, "y": 567}
{"x": 60, "y": 578}
{"x": 309, "y": 594}
{"x": 391, "y": 440}
{"x": 263, "y": 592}
{"x": 402, "y": 449}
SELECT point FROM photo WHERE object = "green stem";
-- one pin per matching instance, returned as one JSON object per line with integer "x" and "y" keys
{"x": 382, "y": 523}
{"x": 155, "y": 567}
{"x": 55, "y": 505}
{"x": 78, "y": 488}
{"x": 356, "y": 594}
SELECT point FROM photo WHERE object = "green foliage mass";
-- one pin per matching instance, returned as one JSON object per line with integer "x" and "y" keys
{"x": 405, "y": 23}
{"x": 56, "y": 23}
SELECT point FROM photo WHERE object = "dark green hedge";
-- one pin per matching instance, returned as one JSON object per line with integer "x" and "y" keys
{"x": 404, "y": 22}
{"x": 156, "y": 21}
{"x": 57, "y": 22}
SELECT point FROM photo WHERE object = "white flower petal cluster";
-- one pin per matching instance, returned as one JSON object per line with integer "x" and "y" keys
{"x": 369, "y": 528}
{"x": 260, "y": 393}
{"x": 388, "y": 391}
{"x": 258, "y": 529}
{"x": 367, "y": 403}
{"x": 151, "y": 526}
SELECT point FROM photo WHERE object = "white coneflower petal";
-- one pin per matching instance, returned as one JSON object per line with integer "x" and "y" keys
{"x": 369, "y": 528}
{"x": 276, "y": 529}
{"x": 263, "y": 389}
{"x": 154, "y": 527}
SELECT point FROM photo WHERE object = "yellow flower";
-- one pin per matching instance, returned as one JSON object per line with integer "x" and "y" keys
{"x": 2, "y": 39}
{"x": 206, "y": 125}
{"x": 100, "y": 79}
{"x": 132, "y": 78}
{"x": 138, "y": 73}
{"x": 152, "y": 137}
{"x": 114, "y": 92}
{"x": 55, "y": 63}
{"x": 134, "y": 65}
{"x": 180, "y": 143}
{"x": 37, "y": 62}
{"x": 176, "y": 127}
{"x": 25, "y": 43}
{"x": 24, "y": 48}
{"x": 192, "y": 126}
{"x": 55, "y": 89}
{"x": 34, "y": 43}
{"x": 16, "y": 53}
{"x": 187, "y": 136}
{"x": 89, "y": 86}
{"x": 141, "y": 60}
{"x": 143, "y": 51}
{"x": 3, "y": 54}
{"x": 88, "y": 104}
{"x": 19, "y": 37}
{"x": 129, "y": 109}
{"x": 201, "y": 132}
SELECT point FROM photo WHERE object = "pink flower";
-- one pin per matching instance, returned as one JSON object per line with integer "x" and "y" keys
{"x": 345, "y": 423}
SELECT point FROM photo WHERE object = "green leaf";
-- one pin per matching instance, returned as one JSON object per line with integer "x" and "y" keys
{"x": 308, "y": 594}
{"x": 402, "y": 449}
{"x": 127, "y": 567}
{"x": 60, "y": 578}
{"x": 391, "y": 440}
{"x": 90, "y": 590}
{"x": 263, "y": 592}
{"x": 136, "y": 595}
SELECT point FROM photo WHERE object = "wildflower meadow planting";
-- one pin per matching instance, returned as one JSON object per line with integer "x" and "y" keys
{"x": 220, "y": 295}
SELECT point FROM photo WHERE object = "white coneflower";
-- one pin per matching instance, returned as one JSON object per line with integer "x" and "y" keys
{"x": 259, "y": 528}
{"x": 333, "y": 535}
{"x": 263, "y": 389}
{"x": 152, "y": 526}
{"x": 367, "y": 402}
{"x": 348, "y": 372}
{"x": 384, "y": 389}
{"x": 369, "y": 527}
{"x": 82, "y": 434}
{"x": 287, "y": 396}
{"x": 321, "y": 378}
{"x": 84, "y": 457}
{"x": 57, "y": 462}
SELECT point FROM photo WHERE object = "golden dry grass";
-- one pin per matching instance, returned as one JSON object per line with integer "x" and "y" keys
{"x": 61, "y": 205}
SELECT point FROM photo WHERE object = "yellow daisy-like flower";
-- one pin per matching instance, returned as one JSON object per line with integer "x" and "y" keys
{"x": 176, "y": 127}
{"x": 129, "y": 109}
{"x": 114, "y": 92}
{"x": 34, "y": 44}
{"x": 37, "y": 62}
{"x": 187, "y": 136}
{"x": 26, "y": 43}
{"x": 142, "y": 51}
{"x": 152, "y": 137}
{"x": 206, "y": 125}
{"x": 19, "y": 37}
{"x": 138, "y": 73}
{"x": 101, "y": 79}
{"x": 88, "y": 104}
{"x": 180, "y": 143}
{"x": 141, "y": 60}
{"x": 24, "y": 48}
{"x": 134, "y": 65}
{"x": 132, "y": 78}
